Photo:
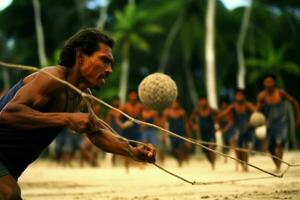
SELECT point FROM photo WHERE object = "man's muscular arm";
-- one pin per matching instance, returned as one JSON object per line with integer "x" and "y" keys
{"x": 107, "y": 141}
{"x": 225, "y": 112}
{"x": 260, "y": 101}
{"x": 22, "y": 112}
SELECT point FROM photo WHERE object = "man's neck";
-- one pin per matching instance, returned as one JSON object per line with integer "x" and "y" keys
{"x": 271, "y": 91}
{"x": 73, "y": 76}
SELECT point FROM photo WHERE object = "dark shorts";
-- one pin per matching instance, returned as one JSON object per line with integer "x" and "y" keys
{"x": 176, "y": 143}
{"x": 227, "y": 136}
{"x": 3, "y": 170}
{"x": 277, "y": 134}
{"x": 208, "y": 136}
{"x": 245, "y": 139}
{"x": 276, "y": 137}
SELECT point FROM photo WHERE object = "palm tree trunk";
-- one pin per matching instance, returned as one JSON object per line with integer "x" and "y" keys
{"x": 39, "y": 33}
{"x": 210, "y": 54}
{"x": 240, "y": 44}
{"x": 169, "y": 41}
{"x": 102, "y": 16}
{"x": 124, "y": 72}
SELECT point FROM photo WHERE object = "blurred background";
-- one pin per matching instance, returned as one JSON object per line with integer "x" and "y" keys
{"x": 208, "y": 47}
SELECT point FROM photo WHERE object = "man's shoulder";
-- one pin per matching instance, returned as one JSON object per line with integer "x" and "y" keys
{"x": 57, "y": 71}
{"x": 46, "y": 73}
{"x": 44, "y": 80}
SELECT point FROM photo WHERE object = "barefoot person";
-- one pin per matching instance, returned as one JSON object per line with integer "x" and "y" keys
{"x": 150, "y": 134}
{"x": 38, "y": 107}
{"x": 241, "y": 110}
{"x": 177, "y": 121}
{"x": 271, "y": 102}
{"x": 227, "y": 128}
{"x": 111, "y": 119}
{"x": 130, "y": 130}
{"x": 206, "y": 127}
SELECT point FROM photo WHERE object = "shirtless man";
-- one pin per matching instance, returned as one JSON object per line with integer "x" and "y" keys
{"x": 111, "y": 119}
{"x": 133, "y": 108}
{"x": 241, "y": 110}
{"x": 176, "y": 120}
{"x": 206, "y": 127}
{"x": 227, "y": 128}
{"x": 38, "y": 107}
{"x": 130, "y": 130}
{"x": 150, "y": 134}
{"x": 271, "y": 102}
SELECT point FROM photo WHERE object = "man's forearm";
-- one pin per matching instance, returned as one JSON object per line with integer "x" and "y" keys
{"x": 23, "y": 117}
{"x": 107, "y": 141}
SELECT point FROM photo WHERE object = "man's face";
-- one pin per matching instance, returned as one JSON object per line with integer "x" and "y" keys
{"x": 203, "y": 103}
{"x": 239, "y": 97}
{"x": 98, "y": 66}
{"x": 175, "y": 105}
{"x": 269, "y": 83}
{"x": 132, "y": 97}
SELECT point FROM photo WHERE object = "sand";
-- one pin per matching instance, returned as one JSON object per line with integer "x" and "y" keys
{"x": 45, "y": 180}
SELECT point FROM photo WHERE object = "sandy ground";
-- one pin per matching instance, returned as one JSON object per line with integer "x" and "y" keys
{"x": 45, "y": 180}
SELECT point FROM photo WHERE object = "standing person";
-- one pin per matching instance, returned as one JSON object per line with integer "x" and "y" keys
{"x": 130, "y": 130}
{"x": 271, "y": 101}
{"x": 38, "y": 107}
{"x": 206, "y": 127}
{"x": 88, "y": 152}
{"x": 241, "y": 110}
{"x": 67, "y": 144}
{"x": 150, "y": 133}
{"x": 227, "y": 128}
{"x": 111, "y": 119}
{"x": 177, "y": 121}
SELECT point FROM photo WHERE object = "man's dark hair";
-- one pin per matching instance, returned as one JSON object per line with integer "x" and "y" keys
{"x": 202, "y": 97}
{"x": 131, "y": 91}
{"x": 269, "y": 75}
{"x": 238, "y": 90}
{"x": 87, "y": 41}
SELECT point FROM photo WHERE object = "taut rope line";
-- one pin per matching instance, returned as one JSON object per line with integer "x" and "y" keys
{"x": 87, "y": 97}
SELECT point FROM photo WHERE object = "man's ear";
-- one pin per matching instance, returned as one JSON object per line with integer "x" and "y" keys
{"x": 79, "y": 56}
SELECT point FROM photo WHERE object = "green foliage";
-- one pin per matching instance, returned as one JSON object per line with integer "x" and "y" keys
{"x": 271, "y": 43}
{"x": 271, "y": 59}
{"x": 132, "y": 25}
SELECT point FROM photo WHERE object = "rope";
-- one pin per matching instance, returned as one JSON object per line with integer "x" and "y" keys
{"x": 87, "y": 98}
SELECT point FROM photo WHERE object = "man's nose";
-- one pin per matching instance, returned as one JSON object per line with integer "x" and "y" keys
{"x": 108, "y": 69}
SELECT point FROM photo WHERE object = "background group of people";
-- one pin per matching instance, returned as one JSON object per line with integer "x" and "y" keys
{"x": 232, "y": 120}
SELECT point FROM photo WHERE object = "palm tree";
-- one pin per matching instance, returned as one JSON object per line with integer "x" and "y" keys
{"x": 271, "y": 60}
{"x": 103, "y": 15}
{"x": 174, "y": 30}
{"x": 187, "y": 28}
{"x": 129, "y": 28}
{"x": 210, "y": 54}
{"x": 239, "y": 47}
{"x": 190, "y": 38}
{"x": 39, "y": 33}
